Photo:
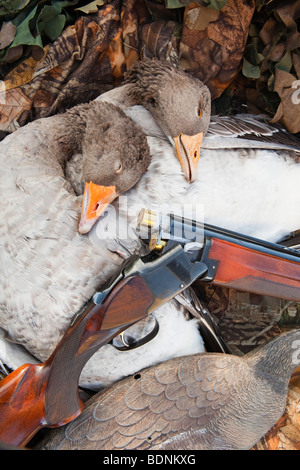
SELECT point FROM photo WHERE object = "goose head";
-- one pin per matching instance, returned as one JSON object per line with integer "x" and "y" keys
{"x": 112, "y": 155}
{"x": 179, "y": 103}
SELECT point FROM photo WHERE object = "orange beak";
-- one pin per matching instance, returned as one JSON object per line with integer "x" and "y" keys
{"x": 95, "y": 200}
{"x": 188, "y": 153}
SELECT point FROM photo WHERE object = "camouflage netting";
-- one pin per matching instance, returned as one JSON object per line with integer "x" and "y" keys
{"x": 56, "y": 54}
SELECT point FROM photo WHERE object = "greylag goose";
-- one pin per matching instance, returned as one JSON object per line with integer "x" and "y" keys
{"x": 207, "y": 401}
{"x": 247, "y": 166}
{"x": 44, "y": 261}
{"x": 48, "y": 270}
{"x": 246, "y": 180}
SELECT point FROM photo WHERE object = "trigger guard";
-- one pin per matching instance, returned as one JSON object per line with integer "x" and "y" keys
{"x": 140, "y": 342}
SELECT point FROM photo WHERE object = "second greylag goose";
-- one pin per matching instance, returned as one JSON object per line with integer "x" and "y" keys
{"x": 247, "y": 166}
{"x": 179, "y": 104}
{"x": 246, "y": 180}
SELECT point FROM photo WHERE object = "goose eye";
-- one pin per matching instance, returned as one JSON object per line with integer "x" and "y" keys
{"x": 151, "y": 101}
{"x": 119, "y": 169}
{"x": 199, "y": 112}
{"x": 106, "y": 126}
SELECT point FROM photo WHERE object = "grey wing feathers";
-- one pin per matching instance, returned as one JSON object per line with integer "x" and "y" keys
{"x": 139, "y": 114}
{"x": 239, "y": 125}
{"x": 248, "y": 131}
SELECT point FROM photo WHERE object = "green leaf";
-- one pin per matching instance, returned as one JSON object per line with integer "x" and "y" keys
{"x": 173, "y": 4}
{"x": 24, "y": 35}
{"x": 250, "y": 70}
{"x": 50, "y": 20}
{"x": 91, "y": 7}
{"x": 53, "y": 28}
{"x": 12, "y": 7}
{"x": 251, "y": 61}
{"x": 285, "y": 63}
{"x": 251, "y": 54}
{"x": 215, "y": 4}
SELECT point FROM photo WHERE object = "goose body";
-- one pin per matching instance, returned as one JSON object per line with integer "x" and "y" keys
{"x": 48, "y": 270}
{"x": 246, "y": 179}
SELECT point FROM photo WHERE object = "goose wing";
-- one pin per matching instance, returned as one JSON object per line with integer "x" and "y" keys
{"x": 248, "y": 131}
{"x": 157, "y": 408}
{"x": 145, "y": 120}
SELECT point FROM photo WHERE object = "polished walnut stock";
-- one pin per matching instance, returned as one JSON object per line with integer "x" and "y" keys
{"x": 38, "y": 395}
{"x": 46, "y": 394}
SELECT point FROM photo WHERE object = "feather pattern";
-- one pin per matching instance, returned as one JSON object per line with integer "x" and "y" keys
{"x": 208, "y": 401}
{"x": 249, "y": 131}
{"x": 250, "y": 190}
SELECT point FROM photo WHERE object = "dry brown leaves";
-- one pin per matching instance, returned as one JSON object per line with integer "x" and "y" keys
{"x": 91, "y": 56}
{"x": 288, "y": 111}
{"x": 272, "y": 60}
{"x": 285, "y": 435}
{"x": 87, "y": 59}
{"x": 213, "y": 42}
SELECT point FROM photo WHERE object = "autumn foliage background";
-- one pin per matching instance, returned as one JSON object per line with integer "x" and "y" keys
{"x": 54, "y": 54}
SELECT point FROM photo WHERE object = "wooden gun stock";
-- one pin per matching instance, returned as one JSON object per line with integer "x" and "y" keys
{"x": 38, "y": 395}
{"x": 46, "y": 394}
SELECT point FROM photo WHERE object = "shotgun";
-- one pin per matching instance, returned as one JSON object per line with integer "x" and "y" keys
{"x": 180, "y": 251}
